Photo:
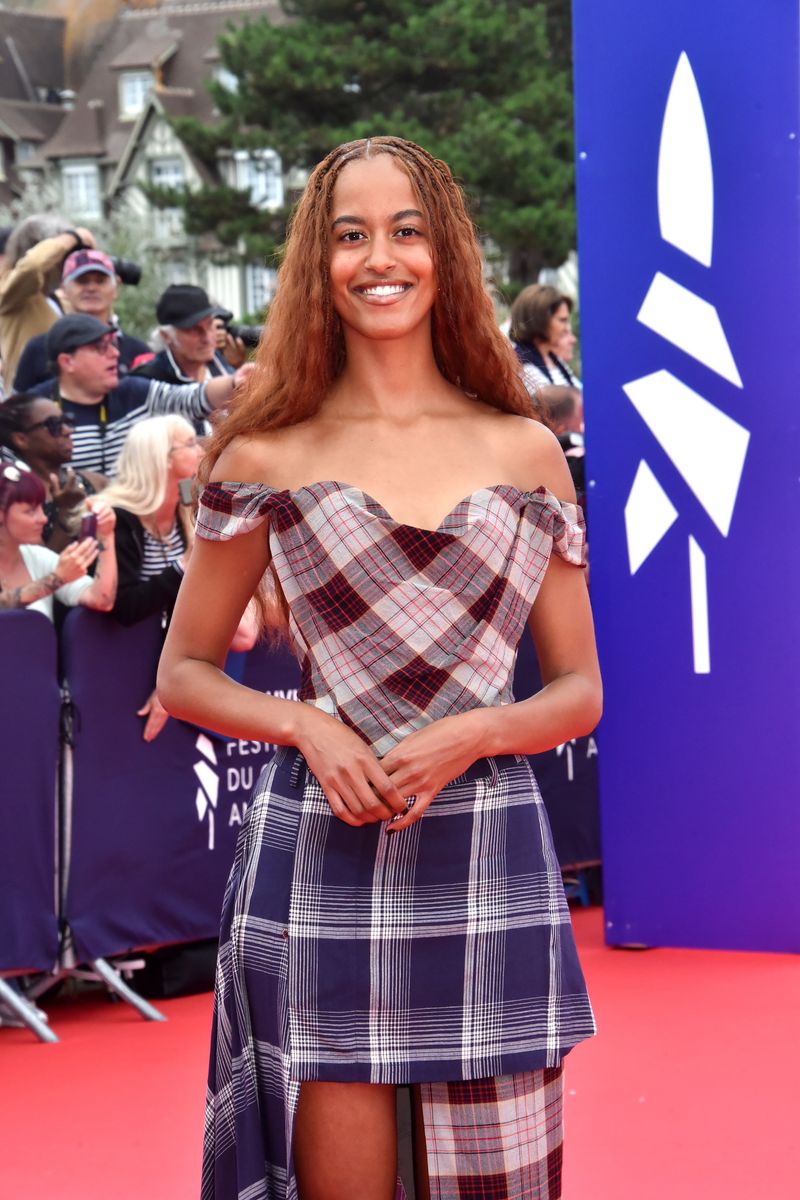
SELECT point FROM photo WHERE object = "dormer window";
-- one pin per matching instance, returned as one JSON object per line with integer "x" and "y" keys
{"x": 134, "y": 88}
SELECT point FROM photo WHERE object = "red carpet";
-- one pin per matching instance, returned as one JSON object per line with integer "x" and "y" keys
{"x": 689, "y": 1092}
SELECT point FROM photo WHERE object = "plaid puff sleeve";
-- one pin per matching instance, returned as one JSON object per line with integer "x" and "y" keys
{"x": 562, "y": 522}
{"x": 228, "y": 509}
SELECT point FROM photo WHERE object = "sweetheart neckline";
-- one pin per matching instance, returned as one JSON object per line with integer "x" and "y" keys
{"x": 372, "y": 502}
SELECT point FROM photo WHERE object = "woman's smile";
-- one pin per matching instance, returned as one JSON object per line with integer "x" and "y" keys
{"x": 382, "y": 292}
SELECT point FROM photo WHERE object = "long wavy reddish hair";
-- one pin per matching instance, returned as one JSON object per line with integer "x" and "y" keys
{"x": 302, "y": 349}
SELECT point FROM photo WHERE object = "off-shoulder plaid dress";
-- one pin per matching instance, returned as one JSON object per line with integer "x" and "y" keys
{"x": 438, "y": 955}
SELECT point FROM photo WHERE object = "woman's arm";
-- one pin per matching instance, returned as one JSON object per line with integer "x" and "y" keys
{"x": 29, "y": 593}
{"x": 220, "y": 580}
{"x": 100, "y": 596}
{"x": 68, "y": 567}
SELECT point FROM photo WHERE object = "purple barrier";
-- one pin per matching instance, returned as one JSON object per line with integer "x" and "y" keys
{"x": 154, "y": 824}
{"x": 567, "y": 778}
{"x": 29, "y": 730}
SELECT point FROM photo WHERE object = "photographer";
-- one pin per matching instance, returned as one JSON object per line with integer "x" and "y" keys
{"x": 35, "y": 252}
{"x": 89, "y": 284}
{"x": 186, "y": 322}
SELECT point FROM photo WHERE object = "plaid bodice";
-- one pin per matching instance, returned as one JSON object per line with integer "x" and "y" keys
{"x": 396, "y": 626}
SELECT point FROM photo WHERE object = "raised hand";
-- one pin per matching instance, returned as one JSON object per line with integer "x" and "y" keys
{"x": 75, "y": 560}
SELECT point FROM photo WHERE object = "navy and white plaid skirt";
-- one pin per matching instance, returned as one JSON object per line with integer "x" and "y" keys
{"x": 437, "y": 954}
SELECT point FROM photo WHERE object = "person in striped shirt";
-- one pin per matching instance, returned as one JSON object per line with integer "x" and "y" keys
{"x": 103, "y": 407}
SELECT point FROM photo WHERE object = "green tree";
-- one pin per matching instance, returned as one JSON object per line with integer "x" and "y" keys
{"x": 484, "y": 84}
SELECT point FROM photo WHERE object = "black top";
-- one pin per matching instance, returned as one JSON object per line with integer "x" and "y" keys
{"x": 138, "y": 598}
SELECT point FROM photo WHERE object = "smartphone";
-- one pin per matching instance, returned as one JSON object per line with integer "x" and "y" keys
{"x": 185, "y": 490}
{"x": 88, "y": 526}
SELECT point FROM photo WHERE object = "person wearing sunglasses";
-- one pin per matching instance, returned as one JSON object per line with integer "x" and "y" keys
{"x": 30, "y": 573}
{"x": 88, "y": 390}
{"x": 34, "y": 431}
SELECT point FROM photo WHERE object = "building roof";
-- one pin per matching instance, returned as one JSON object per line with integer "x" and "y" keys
{"x": 178, "y": 43}
{"x": 25, "y": 122}
{"x": 31, "y": 55}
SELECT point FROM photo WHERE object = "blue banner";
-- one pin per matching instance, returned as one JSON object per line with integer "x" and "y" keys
{"x": 687, "y": 163}
{"x": 154, "y": 824}
{"x": 29, "y": 725}
{"x": 567, "y": 778}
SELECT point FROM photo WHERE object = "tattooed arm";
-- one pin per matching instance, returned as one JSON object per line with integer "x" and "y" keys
{"x": 29, "y": 593}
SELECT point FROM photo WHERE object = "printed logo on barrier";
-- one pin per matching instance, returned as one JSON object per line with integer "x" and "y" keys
{"x": 570, "y": 749}
{"x": 226, "y": 773}
{"x": 707, "y": 446}
{"x": 207, "y": 796}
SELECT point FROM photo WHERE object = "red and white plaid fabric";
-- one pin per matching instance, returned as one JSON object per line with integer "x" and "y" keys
{"x": 495, "y": 1139}
{"x": 397, "y": 626}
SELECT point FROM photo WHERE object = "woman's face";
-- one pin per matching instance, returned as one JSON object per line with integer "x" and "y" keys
{"x": 185, "y": 454}
{"x": 560, "y": 325}
{"x": 383, "y": 283}
{"x": 23, "y": 523}
{"x": 46, "y": 435}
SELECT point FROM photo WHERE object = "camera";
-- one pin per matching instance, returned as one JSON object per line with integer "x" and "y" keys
{"x": 250, "y": 334}
{"x": 129, "y": 272}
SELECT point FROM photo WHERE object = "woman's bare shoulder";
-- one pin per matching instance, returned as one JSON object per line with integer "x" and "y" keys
{"x": 255, "y": 458}
{"x": 534, "y": 455}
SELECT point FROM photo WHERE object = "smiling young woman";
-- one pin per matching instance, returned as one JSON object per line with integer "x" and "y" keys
{"x": 395, "y": 912}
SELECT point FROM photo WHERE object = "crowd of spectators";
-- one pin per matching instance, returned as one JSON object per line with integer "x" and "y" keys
{"x": 101, "y": 432}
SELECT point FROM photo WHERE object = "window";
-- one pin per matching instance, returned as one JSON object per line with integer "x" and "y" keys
{"x": 80, "y": 184}
{"x": 167, "y": 222}
{"x": 260, "y": 284}
{"x": 259, "y": 173}
{"x": 134, "y": 88}
{"x": 166, "y": 172}
{"x": 25, "y": 150}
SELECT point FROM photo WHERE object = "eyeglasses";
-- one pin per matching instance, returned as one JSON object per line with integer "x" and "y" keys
{"x": 53, "y": 425}
{"x": 190, "y": 444}
{"x": 102, "y": 346}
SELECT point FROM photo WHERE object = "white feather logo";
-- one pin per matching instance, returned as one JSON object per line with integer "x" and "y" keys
{"x": 208, "y": 792}
{"x": 707, "y": 446}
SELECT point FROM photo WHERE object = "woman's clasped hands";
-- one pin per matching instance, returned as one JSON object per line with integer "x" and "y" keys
{"x": 362, "y": 789}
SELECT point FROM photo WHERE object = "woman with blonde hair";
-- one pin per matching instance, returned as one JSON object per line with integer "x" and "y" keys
{"x": 395, "y": 913}
{"x": 155, "y": 533}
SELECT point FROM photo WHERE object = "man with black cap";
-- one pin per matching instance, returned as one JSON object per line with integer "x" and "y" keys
{"x": 185, "y": 318}
{"x": 85, "y": 360}
{"x": 89, "y": 284}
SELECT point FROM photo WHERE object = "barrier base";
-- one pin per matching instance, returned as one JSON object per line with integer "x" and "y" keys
{"x": 115, "y": 983}
{"x": 99, "y": 970}
{"x": 25, "y": 1011}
